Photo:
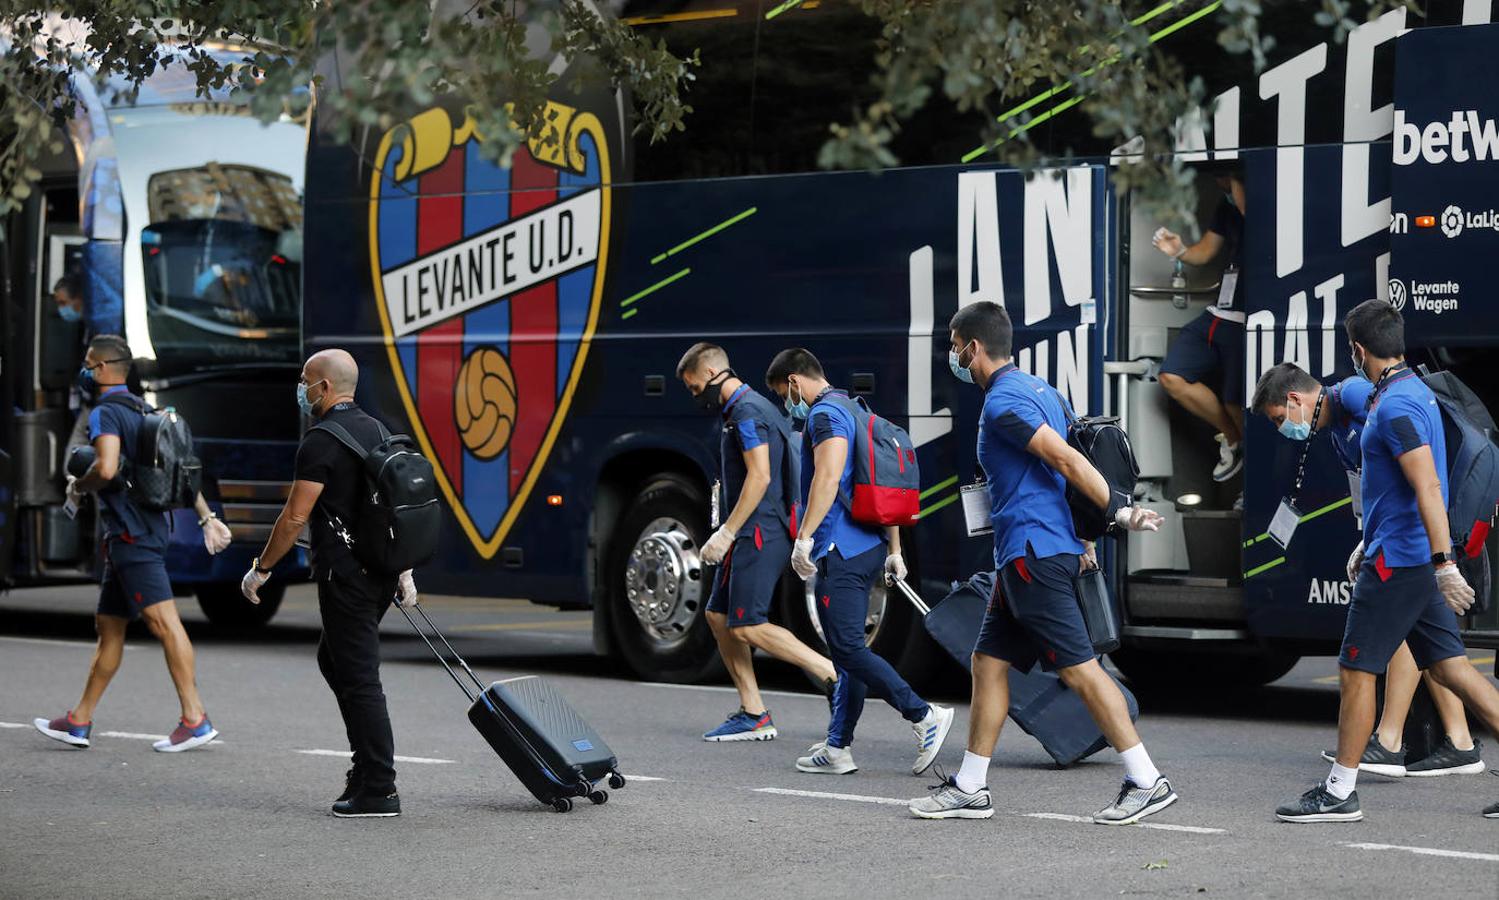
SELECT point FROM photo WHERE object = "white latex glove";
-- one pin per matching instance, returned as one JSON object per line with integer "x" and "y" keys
{"x": 1090, "y": 556}
{"x": 1168, "y": 242}
{"x": 1355, "y": 562}
{"x": 1454, "y": 588}
{"x": 1138, "y": 518}
{"x": 895, "y": 569}
{"x": 250, "y": 584}
{"x": 718, "y": 546}
{"x": 801, "y": 559}
{"x": 216, "y": 536}
{"x": 406, "y": 596}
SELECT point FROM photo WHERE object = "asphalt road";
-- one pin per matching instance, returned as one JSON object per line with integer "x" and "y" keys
{"x": 248, "y": 816}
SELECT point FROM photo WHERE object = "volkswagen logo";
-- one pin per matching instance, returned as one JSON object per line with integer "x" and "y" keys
{"x": 1397, "y": 294}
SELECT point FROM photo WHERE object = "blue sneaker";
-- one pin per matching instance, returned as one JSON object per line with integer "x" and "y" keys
{"x": 741, "y": 726}
{"x": 64, "y": 729}
{"x": 186, "y": 737}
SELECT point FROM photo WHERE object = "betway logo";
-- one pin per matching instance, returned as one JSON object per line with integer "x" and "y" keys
{"x": 1437, "y": 142}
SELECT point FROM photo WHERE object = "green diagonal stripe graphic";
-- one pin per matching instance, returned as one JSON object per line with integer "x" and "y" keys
{"x": 784, "y": 7}
{"x": 654, "y": 288}
{"x": 1337, "y": 504}
{"x": 938, "y": 487}
{"x": 706, "y": 234}
{"x": 945, "y": 501}
{"x": 1265, "y": 568}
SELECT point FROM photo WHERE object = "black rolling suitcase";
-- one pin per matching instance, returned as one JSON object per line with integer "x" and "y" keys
{"x": 543, "y": 740}
{"x": 1039, "y": 702}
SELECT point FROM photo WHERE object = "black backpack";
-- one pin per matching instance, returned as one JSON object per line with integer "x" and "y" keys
{"x": 1104, "y": 444}
{"x": 398, "y": 517}
{"x": 162, "y": 471}
{"x": 1472, "y": 475}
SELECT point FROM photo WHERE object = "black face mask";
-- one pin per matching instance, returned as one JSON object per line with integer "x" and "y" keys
{"x": 711, "y": 398}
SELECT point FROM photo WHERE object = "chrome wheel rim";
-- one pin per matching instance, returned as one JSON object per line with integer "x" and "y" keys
{"x": 664, "y": 582}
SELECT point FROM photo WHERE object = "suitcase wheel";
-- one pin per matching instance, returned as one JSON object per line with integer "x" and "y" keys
{"x": 562, "y": 805}
{"x": 616, "y": 780}
{"x": 599, "y": 798}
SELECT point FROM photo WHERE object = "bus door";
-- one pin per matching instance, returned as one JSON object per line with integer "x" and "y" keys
{"x": 1445, "y": 235}
{"x": 43, "y": 352}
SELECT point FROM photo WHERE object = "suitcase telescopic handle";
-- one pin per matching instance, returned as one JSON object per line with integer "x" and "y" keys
{"x": 438, "y": 653}
{"x": 914, "y": 597}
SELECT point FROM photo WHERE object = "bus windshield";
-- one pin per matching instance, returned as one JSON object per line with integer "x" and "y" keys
{"x": 222, "y": 258}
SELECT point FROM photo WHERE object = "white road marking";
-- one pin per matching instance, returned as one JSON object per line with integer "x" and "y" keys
{"x": 1159, "y": 826}
{"x": 643, "y": 778}
{"x": 720, "y": 689}
{"x": 1429, "y": 851}
{"x": 14, "y": 725}
{"x": 407, "y": 759}
{"x": 825, "y": 795}
{"x": 135, "y": 736}
{"x": 54, "y": 642}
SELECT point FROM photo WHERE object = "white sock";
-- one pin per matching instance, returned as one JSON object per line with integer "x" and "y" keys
{"x": 1137, "y": 766}
{"x": 1341, "y": 782}
{"x": 974, "y": 773}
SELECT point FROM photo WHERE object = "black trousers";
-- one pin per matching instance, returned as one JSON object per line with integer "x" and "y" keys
{"x": 349, "y": 657}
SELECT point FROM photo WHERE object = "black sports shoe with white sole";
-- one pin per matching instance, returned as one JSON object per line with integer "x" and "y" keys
{"x": 1317, "y": 805}
{"x": 368, "y": 806}
{"x": 1376, "y": 759}
{"x": 1448, "y": 760}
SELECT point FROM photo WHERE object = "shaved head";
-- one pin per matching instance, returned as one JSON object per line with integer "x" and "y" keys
{"x": 336, "y": 367}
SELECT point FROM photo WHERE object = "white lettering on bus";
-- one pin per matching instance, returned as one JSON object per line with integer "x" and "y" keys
{"x": 1287, "y": 82}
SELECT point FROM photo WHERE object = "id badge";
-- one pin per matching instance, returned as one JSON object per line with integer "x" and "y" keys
{"x": 1355, "y": 491}
{"x": 1226, "y": 288}
{"x": 713, "y": 509}
{"x": 976, "y": 510}
{"x": 70, "y": 509}
{"x": 1284, "y": 523}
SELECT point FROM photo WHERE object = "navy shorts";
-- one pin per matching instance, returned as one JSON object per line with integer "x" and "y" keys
{"x": 1210, "y": 350}
{"x": 135, "y": 577}
{"x": 1391, "y": 605}
{"x": 746, "y": 581}
{"x": 1034, "y": 615}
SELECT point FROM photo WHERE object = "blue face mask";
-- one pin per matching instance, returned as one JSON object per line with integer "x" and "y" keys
{"x": 87, "y": 385}
{"x": 1358, "y": 367}
{"x": 798, "y": 408}
{"x": 69, "y": 313}
{"x": 959, "y": 371}
{"x": 1296, "y": 431}
{"x": 303, "y": 403}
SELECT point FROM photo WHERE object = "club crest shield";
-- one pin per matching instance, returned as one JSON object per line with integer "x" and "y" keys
{"x": 488, "y": 282}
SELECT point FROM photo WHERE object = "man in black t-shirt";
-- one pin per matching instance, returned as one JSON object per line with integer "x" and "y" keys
{"x": 1204, "y": 369}
{"x": 326, "y": 497}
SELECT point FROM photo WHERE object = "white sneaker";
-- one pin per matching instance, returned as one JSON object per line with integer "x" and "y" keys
{"x": 930, "y": 733}
{"x": 824, "y": 760}
{"x": 1230, "y": 459}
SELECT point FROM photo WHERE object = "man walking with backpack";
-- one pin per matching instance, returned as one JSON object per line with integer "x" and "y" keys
{"x": 1408, "y": 584}
{"x": 135, "y": 582}
{"x": 846, "y": 556}
{"x": 752, "y": 546}
{"x": 327, "y": 494}
{"x": 1034, "y": 614}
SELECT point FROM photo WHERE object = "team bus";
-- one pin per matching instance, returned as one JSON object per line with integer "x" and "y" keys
{"x": 177, "y": 220}
{"x": 523, "y": 323}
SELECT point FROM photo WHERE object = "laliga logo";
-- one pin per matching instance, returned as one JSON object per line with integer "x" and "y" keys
{"x": 1452, "y": 221}
{"x": 1397, "y": 294}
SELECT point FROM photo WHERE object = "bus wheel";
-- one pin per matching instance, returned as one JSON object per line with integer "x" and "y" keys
{"x": 659, "y": 587}
{"x": 226, "y": 607}
{"x": 1173, "y": 668}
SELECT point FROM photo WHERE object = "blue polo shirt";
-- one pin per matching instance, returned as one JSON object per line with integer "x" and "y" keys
{"x": 838, "y": 529}
{"x": 1027, "y": 498}
{"x": 123, "y": 520}
{"x": 750, "y": 421}
{"x": 1404, "y": 416}
{"x": 1350, "y": 408}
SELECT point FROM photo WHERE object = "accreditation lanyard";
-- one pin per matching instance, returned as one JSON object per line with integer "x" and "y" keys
{"x": 1287, "y": 516}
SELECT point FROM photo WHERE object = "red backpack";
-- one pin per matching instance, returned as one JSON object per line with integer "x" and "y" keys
{"x": 887, "y": 482}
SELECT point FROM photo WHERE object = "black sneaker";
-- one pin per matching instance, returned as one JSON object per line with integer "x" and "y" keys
{"x": 1448, "y": 760}
{"x": 368, "y": 806}
{"x": 353, "y": 781}
{"x": 1317, "y": 805}
{"x": 1491, "y": 811}
{"x": 1376, "y": 759}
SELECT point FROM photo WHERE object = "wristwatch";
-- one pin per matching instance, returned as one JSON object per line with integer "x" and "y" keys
{"x": 1441, "y": 559}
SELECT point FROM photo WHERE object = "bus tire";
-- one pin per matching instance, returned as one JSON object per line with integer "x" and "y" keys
{"x": 658, "y": 586}
{"x": 1171, "y": 669}
{"x": 226, "y": 607}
